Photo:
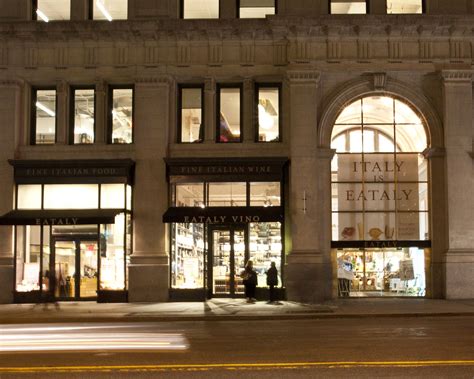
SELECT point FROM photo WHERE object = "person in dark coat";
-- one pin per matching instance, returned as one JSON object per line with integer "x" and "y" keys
{"x": 272, "y": 281}
{"x": 250, "y": 279}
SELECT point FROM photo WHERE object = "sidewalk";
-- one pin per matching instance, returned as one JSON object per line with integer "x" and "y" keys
{"x": 231, "y": 309}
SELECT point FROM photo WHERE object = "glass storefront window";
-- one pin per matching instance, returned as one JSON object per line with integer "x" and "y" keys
{"x": 43, "y": 128}
{"x": 110, "y": 10}
{"x": 46, "y": 257}
{"x": 191, "y": 125}
{"x": 28, "y": 243}
{"x": 265, "y": 194}
{"x": 232, "y": 194}
{"x": 256, "y": 8}
{"x": 404, "y": 6}
{"x": 187, "y": 256}
{"x": 348, "y": 7}
{"x": 112, "y": 255}
{"x": 112, "y": 196}
{"x": 71, "y": 196}
{"x": 265, "y": 247}
{"x": 121, "y": 115}
{"x": 83, "y": 114}
{"x": 29, "y": 196}
{"x": 379, "y": 176}
{"x": 189, "y": 195}
{"x": 129, "y": 197}
{"x": 229, "y": 114}
{"x": 268, "y": 110}
{"x": 49, "y": 10}
{"x": 386, "y": 272}
{"x": 200, "y": 9}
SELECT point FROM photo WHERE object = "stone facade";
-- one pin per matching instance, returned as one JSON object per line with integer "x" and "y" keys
{"x": 323, "y": 61}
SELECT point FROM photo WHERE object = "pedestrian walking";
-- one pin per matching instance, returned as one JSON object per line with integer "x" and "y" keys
{"x": 272, "y": 281}
{"x": 249, "y": 276}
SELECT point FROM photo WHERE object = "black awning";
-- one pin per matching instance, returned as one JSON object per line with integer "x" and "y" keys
{"x": 223, "y": 215}
{"x": 60, "y": 217}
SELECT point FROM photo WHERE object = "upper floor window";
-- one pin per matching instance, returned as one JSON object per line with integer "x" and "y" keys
{"x": 199, "y": 9}
{"x": 404, "y": 6}
{"x": 256, "y": 8}
{"x": 109, "y": 9}
{"x": 120, "y": 114}
{"x": 43, "y": 116}
{"x": 82, "y": 115}
{"x": 229, "y": 113}
{"x": 348, "y": 6}
{"x": 268, "y": 111}
{"x": 190, "y": 114}
{"x": 50, "y": 10}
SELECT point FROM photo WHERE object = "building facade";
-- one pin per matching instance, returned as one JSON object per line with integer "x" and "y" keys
{"x": 149, "y": 149}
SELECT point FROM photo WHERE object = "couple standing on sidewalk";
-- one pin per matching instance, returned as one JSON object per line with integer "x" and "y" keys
{"x": 249, "y": 276}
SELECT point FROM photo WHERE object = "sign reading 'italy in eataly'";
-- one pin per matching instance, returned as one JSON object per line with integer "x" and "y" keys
{"x": 378, "y": 197}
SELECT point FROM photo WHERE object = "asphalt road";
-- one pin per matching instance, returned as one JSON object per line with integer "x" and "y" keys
{"x": 360, "y": 347}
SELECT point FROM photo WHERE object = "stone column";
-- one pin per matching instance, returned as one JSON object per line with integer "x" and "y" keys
{"x": 62, "y": 113}
{"x": 458, "y": 137}
{"x": 228, "y": 9}
{"x": 10, "y": 111}
{"x": 101, "y": 109}
{"x": 149, "y": 267}
{"x": 248, "y": 114}
{"x": 305, "y": 271}
{"x": 209, "y": 111}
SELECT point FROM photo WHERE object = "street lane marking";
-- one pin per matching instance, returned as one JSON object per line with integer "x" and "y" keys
{"x": 234, "y": 366}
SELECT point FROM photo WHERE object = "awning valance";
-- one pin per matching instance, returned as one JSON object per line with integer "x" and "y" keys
{"x": 223, "y": 215}
{"x": 60, "y": 217}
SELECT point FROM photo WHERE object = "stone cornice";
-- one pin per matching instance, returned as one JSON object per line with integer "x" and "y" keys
{"x": 303, "y": 76}
{"x": 457, "y": 76}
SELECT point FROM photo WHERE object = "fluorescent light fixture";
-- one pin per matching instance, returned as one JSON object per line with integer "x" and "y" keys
{"x": 45, "y": 109}
{"x": 103, "y": 10}
{"x": 42, "y": 15}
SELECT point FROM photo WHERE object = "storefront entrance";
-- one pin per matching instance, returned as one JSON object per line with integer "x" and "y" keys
{"x": 74, "y": 268}
{"x": 228, "y": 254}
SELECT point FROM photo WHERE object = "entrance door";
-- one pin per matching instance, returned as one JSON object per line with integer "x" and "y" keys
{"x": 75, "y": 263}
{"x": 228, "y": 254}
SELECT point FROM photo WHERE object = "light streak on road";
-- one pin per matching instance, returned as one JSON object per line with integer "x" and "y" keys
{"x": 88, "y": 337}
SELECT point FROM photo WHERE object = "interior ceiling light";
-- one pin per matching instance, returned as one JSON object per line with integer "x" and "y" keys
{"x": 264, "y": 119}
{"x": 104, "y": 11}
{"x": 42, "y": 15}
{"x": 45, "y": 109}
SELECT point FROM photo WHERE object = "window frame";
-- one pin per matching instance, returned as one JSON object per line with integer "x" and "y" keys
{"x": 275, "y": 6}
{"x": 33, "y": 111}
{"x": 72, "y": 126}
{"x": 182, "y": 86}
{"x": 220, "y": 86}
{"x": 367, "y": 8}
{"x": 269, "y": 85}
{"x": 423, "y": 9}
{"x": 110, "y": 102}
{"x": 181, "y": 12}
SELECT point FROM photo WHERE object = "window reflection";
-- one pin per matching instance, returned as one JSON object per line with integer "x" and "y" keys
{"x": 28, "y": 245}
{"x": 122, "y": 115}
{"x": 348, "y": 7}
{"x": 228, "y": 124}
{"x": 45, "y": 117}
{"x": 200, "y": 9}
{"x": 84, "y": 115}
{"x": 256, "y": 8}
{"x": 268, "y": 114}
{"x": 110, "y": 9}
{"x": 404, "y": 6}
{"x": 192, "y": 129}
{"x": 50, "y": 10}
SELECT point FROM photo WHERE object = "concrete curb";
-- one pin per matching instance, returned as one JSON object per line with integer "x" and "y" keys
{"x": 283, "y": 317}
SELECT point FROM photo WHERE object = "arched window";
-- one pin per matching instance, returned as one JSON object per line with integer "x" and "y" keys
{"x": 380, "y": 190}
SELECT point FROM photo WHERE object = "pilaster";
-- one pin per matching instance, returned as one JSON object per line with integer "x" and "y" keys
{"x": 458, "y": 136}
{"x": 100, "y": 112}
{"x": 248, "y": 126}
{"x": 62, "y": 113}
{"x": 209, "y": 107}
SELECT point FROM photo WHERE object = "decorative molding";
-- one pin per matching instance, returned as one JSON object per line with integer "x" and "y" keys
{"x": 16, "y": 83}
{"x": 31, "y": 57}
{"x": 325, "y": 153}
{"x": 456, "y": 49}
{"x": 62, "y": 87}
{"x": 90, "y": 56}
{"x": 3, "y": 56}
{"x": 334, "y": 49}
{"x": 426, "y": 49}
{"x": 210, "y": 85}
{"x": 151, "y": 54}
{"x": 280, "y": 53}
{"x": 363, "y": 49}
{"x": 434, "y": 152}
{"x": 121, "y": 55}
{"x": 247, "y": 53}
{"x": 61, "y": 56}
{"x": 154, "y": 80}
{"x": 395, "y": 49}
{"x": 183, "y": 54}
{"x": 379, "y": 80}
{"x": 215, "y": 53}
{"x": 457, "y": 76}
{"x": 304, "y": 76}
